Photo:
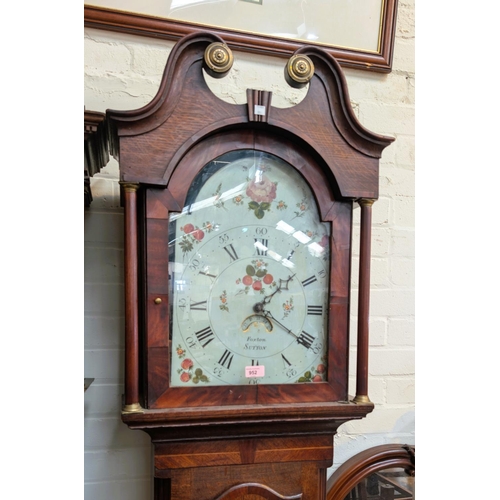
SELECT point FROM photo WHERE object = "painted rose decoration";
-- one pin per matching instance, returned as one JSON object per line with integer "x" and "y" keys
{"x": 262, "y": 192}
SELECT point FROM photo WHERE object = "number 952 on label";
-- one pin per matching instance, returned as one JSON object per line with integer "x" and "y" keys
{"x": 255, "y": 371}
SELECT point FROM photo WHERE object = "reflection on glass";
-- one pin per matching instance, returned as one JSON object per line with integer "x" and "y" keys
{"x": 249, "y": 257}
{"x": 389, "y": 484}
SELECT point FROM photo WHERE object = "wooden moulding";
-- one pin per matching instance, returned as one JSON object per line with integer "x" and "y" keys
{"x": 375, "y": 459}
{"x": 262, "y": 491}
{"x": 244, "y": 421}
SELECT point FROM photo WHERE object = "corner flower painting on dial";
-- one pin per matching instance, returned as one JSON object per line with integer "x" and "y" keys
{"x": 187, "y": 372}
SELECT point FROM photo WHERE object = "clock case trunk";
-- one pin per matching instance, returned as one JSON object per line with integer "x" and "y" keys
{"x": 233, "y": 435}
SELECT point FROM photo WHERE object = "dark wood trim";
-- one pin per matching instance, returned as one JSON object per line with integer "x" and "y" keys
{"x": 260, "y": 490}
{"x": 385, "y": 456}
{"x": 161, "y": 488}
{"x": 245, "y": 421}
{"x": 131, "y": 298}
{"x": 160, "y": 395}
{"x": 364, "y": 301}
{"x": 154, "y": 27}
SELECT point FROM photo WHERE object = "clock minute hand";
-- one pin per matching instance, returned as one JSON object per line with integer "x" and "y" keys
{"x": 267, "y": 314}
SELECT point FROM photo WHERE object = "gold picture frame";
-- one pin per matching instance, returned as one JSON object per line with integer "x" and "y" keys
{"x": 364, "y": 36}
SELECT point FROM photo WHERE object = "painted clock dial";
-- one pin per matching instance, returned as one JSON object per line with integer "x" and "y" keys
{"x": 250, "y": 262}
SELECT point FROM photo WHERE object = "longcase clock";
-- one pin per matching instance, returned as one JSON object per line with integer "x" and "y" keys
{"x": 238, "y": 229}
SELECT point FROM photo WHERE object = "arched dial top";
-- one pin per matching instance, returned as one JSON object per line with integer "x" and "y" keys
{"x": 249, "y": 258}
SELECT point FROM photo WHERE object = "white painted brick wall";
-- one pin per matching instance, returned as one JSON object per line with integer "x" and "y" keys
{"x": 117, "y": 460}
{"x": 123, "y": 72}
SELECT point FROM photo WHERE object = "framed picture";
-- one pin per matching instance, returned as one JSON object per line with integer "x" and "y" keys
{"x": 358, "y": 34}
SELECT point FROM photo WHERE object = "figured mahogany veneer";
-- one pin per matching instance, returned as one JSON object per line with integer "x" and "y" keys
{"x": 255, "y": 441}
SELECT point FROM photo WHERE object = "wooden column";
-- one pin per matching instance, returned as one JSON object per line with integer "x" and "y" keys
{"x": 131, "y": 300}
{"x": 364, "y": 302}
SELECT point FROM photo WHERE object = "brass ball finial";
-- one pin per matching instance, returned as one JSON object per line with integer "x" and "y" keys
{"x": 300, "y": 69}
{"x": 218, "y": 57}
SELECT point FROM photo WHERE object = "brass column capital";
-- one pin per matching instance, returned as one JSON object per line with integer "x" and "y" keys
{"x": 129, "y": 187}
{"x": 366, "y": 202}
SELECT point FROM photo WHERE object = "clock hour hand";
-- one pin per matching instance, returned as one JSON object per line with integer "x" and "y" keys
{"x": 267, "y": 314}
{"x": 259, "y": 307}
